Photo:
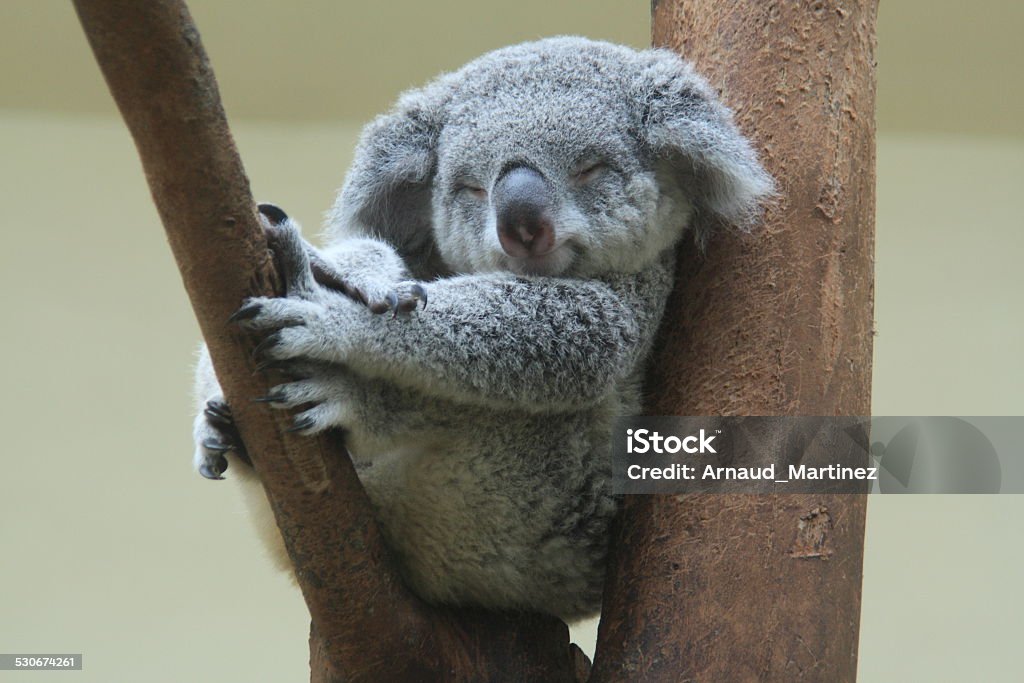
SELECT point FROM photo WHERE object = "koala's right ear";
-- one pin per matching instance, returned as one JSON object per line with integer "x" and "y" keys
{"x": 387, "y": 192}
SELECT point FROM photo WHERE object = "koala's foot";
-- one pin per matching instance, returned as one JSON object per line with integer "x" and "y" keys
{"x": 215, "y": 434}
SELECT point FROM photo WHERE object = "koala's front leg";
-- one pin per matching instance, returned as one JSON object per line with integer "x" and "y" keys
{"x": 327, "y": 396}
{"x": 534, "y": 344}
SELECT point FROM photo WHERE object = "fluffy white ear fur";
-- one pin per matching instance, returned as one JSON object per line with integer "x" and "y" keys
{"x": 685, "y": 123}
{"x": 387, "y": 190}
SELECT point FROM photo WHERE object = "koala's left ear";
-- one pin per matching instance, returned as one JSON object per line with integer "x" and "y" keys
{"x": 683, "y": 121}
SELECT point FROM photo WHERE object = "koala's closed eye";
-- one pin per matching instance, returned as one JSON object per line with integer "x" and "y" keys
{"x": 470, "y": 189}
{"x": 589, "y": 171}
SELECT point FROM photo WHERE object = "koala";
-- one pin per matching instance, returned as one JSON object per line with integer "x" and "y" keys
{"x": 497, "y": 265}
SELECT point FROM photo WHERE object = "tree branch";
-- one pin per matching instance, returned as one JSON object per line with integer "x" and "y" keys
{"x": 366, "y": 624}
{"x": 711, "y": 587}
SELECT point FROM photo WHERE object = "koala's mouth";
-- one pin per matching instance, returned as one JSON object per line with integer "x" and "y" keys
{"x": 554, "y": 261}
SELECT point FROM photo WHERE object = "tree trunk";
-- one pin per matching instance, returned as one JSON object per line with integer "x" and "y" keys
{"x": 366, "y": 626}
{"x": 715, "y": 587}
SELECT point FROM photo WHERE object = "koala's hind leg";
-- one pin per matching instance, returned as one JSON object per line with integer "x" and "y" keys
{"x": 216, "y": 435}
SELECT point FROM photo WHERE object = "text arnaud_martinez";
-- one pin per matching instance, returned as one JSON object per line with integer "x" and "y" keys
{"x": 641, "y": 441}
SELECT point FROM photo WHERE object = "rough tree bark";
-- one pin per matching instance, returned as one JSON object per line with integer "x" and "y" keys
{"x": 716, "y": 587}
{"x": 705, "y": 588}
{"x": 365, "y": 624}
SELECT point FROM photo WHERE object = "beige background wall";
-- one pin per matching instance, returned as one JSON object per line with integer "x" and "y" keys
{"x": 111, "y": 546}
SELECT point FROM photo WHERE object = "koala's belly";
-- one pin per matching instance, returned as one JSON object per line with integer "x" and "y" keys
{"x": 514, "y": 516}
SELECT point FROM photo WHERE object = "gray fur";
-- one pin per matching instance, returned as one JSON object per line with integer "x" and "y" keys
{"x": 481, "y": 423}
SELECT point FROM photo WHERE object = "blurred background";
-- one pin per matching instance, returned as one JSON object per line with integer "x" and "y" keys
{"x": 112, "y": 547}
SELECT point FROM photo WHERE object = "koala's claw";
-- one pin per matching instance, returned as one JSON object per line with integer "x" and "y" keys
{"x": 325, "y": 276}
{"x": 273, "y": 213}
{"x": 219, "y": 415}
{"x": 420, "y": 293}
{"x": 219, "y": 408}
{"x": 301, "y": 424}
{"x": 405, "y": 303}
{"x": 210, "y": 454}
{"x": 214, "y": 467}
{"x": 292, "y": 369}
{"x": 265, "y": 364}
{"x": 217, "y": 447}
{"x": 270, "y": 398}
{"x": 269, "y": 342}
{"x": 246, "y": 312}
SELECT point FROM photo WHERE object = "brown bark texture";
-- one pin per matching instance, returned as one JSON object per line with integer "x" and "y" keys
{"x": 723, "y": 587}
{"x": 366, "y": 626}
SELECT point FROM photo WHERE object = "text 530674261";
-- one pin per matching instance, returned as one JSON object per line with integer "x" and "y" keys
{"x": 40, "y": 662}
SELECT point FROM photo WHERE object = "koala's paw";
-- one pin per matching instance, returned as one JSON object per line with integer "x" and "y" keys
{"x": 298, "y": 330}
{"x": 377, "y": 295}
{"x": 303, "y": 323}
{"x": 278, "y": 225}
{"x": 325, "y": 401}
{"x": 325, "y": 275}
{"x": 375, "y": 269}
{"x": 215, "y": 435}
{"x": 402, "y": 299}
{"x": 312, "y": 322}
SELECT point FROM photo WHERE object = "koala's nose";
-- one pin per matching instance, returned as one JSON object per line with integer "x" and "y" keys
{"x": 522, "y": 203}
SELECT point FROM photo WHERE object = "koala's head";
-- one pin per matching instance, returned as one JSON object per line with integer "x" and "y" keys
{"x": 559, "y": 157}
